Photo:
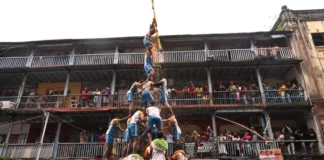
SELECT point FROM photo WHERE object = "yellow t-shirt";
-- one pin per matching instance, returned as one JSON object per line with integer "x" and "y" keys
{"x": 199, "y": 91}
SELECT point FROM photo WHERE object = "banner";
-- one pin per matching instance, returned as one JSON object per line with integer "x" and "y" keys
{"x": 190, "y": 149}
{"x": 205, "y": 147}
{"x": 270, "y": 154}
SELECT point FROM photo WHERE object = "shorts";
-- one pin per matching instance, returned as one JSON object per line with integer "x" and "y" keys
{"x": 126, "y": 136}
{"x": 129, "y": 97}
{"x": 147, "y": 69}
{"x": 163, "y": 97}
{"x": 154, "y": 133}
{"x": 146, "y": 44}
{"x": 176, "y": 135}
{"x": 146, "y": 98}
{"x": 133, "y": 130}
{"x": 109, "y": 138}
{"x": 154, "y": 120}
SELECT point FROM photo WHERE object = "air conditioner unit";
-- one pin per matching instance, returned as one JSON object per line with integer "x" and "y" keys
{"x": 6, "y": 104}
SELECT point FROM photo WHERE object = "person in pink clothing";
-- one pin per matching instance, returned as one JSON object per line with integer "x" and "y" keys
{"x": 247, "y": 148}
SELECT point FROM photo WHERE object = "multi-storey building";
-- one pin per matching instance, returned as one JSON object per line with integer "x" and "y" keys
{"x": 240, "y": 75}
{"x": 308, "y": 42}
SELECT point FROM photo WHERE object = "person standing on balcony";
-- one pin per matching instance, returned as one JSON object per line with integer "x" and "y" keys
{"x": 192, "y": 91}
{"x": 133, "y": 129}
{"x": 84, "y": 96}
{"x": 282, "y": 92}
{"x": 199, "y": 92}
{"x": 96, "y": 97}
{"x": 82, "y": 137}
{"x": 105, "y": 96}
{"x": 111, "y": 133}
{"x": 131, "y": 93}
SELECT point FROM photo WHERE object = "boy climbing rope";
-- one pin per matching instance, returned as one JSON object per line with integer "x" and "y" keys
{"x": 148, "y": 44}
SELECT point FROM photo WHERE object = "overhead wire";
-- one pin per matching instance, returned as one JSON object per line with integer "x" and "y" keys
{"x": 73, "y": 125}
{"x": 21, "y": 121}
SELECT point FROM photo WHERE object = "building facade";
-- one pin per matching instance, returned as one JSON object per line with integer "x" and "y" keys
{"x": 241, "y": 77}
{"x": 308, "y": 40}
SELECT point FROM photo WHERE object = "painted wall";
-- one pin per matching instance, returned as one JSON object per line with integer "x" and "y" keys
{"x": 74, "y": 89}
{"x": 16, "y": 129}
{"x": 315, "y": 26}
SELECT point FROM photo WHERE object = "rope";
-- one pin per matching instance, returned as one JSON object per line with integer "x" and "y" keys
{"x": 20, "y": 121}
{"x": 241, "y": 126}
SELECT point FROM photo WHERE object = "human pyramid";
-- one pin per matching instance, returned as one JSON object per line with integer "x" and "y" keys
{"x": 148, "y": 118}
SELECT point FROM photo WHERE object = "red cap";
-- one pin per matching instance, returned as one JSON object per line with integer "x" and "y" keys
{"x": 152, "y": 31}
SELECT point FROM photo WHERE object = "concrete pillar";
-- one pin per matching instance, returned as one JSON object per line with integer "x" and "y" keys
{"x": 57, "y": 139}
{"x": 210, "y": 86}
{"x": 21, "y": 90}
{"x": 72, "y": 56}
{"x": 267, "y": 117}
{"x": 116, "y": 54}
{"x": 260, "y": 85}
{"x": 312, "y": 122}
{"x": 30, "y": 56}
{"x": 66, "y": 86}
{"x": 113, "y": 83}
{"x": 214, "y": 125}
{"x": 206, "y": 50}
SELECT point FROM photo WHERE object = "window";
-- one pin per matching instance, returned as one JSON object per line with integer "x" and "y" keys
{"x": 318, "y": 39}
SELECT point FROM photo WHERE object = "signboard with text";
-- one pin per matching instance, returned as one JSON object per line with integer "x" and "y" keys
{"x": 205, "y": 147}
{"x": 190, "y": 149}
{"x": 270, "y": 154}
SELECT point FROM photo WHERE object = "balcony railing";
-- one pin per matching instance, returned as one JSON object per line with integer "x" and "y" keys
{"x": 175, "y": 99}
{"x": 239, "y": 97}
{"x": 184, "y": 56}
{"x": 41, "y": 102}
{"x": 9, "y": 98}
{"x": 94, "y": 59}
{"x": 138, "y": 58}
{"x": 131, "y": 58}
{"x": 28, "y": 151}
{"x": 13, "y": 62}
{"x": 50, "y": 61}
{"x": 289, "y": 96}
{"x": 216, "y": 149}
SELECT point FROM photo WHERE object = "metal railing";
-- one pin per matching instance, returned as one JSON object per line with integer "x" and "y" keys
{"x": 237, "y": 97}
{"x": 175, "y": 98}
{"x": 50, "y": 61}
{"x": 219, "y": 55}
{"x": 80, "y": 150}
{"x": 18, "y": 151}
{"x": 288, "y": 96}
{"x": 241, "y": 54}
{"x": 54, "y": 101}
{"x": 184, "y": 56}
{"x": 212, "y": 150}
{"x": 94, "y": 59}
{"x": 131, "y": 58}
{"x": 13, "y": 62}
{"x": 138, "y": 58}
{"x": 9, "y": 98}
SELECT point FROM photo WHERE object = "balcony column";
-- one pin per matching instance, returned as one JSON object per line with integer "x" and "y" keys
{"x": 312, "y": 122}
{"x": 267, "y": 117}
{"x": 57, "y": 139}
{"x": 206, "y": 50}
{"x": 260, "y": 85}
{"x": 210, "y": 87}
{"x": 4, "y": 150}
{"x": 66, "y": 90}
{"x": 214, "y": 125}
{"x": 21, "y": 90}
{"x": 30, "y": 57}
{"x": 116, "y": 54}
{"x": 72, "y": 56}
{"x": 113, "y": 83}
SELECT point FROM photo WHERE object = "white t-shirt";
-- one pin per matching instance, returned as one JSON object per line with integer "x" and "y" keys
{"x": 169, "y": 138}
{"x": 153, "y": 111}
{"x": 136, "y": 117}
{"x": 157, "y": 154}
